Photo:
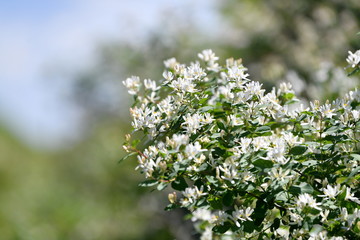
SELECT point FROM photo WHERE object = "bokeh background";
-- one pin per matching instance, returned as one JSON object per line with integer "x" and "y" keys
{"x": 64, "y": 112}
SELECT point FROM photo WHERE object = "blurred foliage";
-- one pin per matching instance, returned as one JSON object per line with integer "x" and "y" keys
{"x": 80, "y": 193}
{"x": 299, "y": 41}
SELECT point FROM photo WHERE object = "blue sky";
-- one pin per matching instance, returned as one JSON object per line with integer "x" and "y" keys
{"x": 41, "y": 37}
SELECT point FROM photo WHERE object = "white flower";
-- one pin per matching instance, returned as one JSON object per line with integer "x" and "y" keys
{"x": 324, "y": 214}
{"x": 177, "y": 140}
{"x": 192, "y": 149}
{"x": 226, "y": 91}
{"x": 285, "y": 88}
{"x": 356, "y": 213}
{"x": 350, "y": 196}
{"x": 166, "y": 106}
{"x": 208, "y": 55}
{"x": 318, "y": 236}
{"x": 331, "y": 192}
{"x": 150, "y": 84}
{"x": 192, "y": 194}
{"x": 291, "y": 139}
{"x": 201, "y": 214}
{"x": 234, "y": 120}
{"x": 168, "y": 76}
{"x": 147, "y": 165}
{"x": 220, "y": 218}
{"x": 170, "y": 63}
{"x": 254, "y": 88}
{"x": 344, "y": 214}
{"x": 206, "y": 118}
{"x": 245, "y": 144}
{"x": 238, "y": 73}
{"x": 184, "y": 85}
{"x": 306, "y": 199}
{"x": 295, "y": 218}
{"x": 356, "y": 115}
{"x": 192, "y": 122}
{"x": 133, "y": 85}
{"x": 241, "y": 214}
{"x": 279, "y": 174}
{"x": 327, "y": 111}
{"x": 207, "y": 234}
{"x": 230, "y": 172}
{"x": 230, "y": 62}
{"x": 277, "y": 154}
{"x": 144, "y": 117}
{"x": 194, "y": 71}
{"x": 354, "y": 58}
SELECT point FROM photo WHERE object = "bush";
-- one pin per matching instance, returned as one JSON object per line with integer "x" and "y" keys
{"x": 246, "y": 163}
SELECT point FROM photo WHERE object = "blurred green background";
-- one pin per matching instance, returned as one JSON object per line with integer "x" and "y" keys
{"x": 75, "y": 189}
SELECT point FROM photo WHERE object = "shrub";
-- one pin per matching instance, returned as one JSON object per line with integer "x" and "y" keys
{"x": 246, "y": 163}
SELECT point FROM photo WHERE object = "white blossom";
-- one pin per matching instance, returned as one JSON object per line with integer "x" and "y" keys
{"x": 208, "y": 55}
{"x": 353, "y": 58}
{"x": 238, "y": 73}
{"x": 170, "y": 63}
{"x": 133, "y": 85}
{"x": 350, "y": 196}
{"x": 201, "y": 214}
{"x": 191, "y": 150}
{"x": 150, "y": 84}
{"x": 192, "y": 122}
{"x": 242, "y": 214}
{"x": 331, "y": 192}
{"x": 306, "y": 199}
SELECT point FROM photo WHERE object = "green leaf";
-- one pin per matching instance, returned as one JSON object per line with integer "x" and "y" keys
{"x": 206, "y": 109}
{"x": 179, "y": 167}
{"x": 301, "y": 188}
{"x": 301, "y": 118}
{"x": 298, "y": 150}
{"x": 219, "y": 114}
{"x": 215, "y": 203}
{"x": 170, "y": 207}
{"x": 355, "y": 156}
{"x": 179, "y": 184}
{"x": 259, "y": 212}
{"x": 332, "y": 129}
{"x": 221, "y": 228}
{"x": 148, "y": 183}
{"x": 316, "y": 229}
{"x": 228, "y": 198}
{"x": 218, "y": 152}
{"x": 203, "y": 101}
{"x": 249, "y": 226}
{"x": 221, "y": 125}
{"x": 161, "y": 186}
{"x": 355, "y": 71}
{"x": 212, "y": 180}
{"x": 127, "y": 156}
{"x": 263, "y": 129}
{"x": 276, "y": 224}
{"x": 262, "y": 163}
{"x": 354, "y": 172}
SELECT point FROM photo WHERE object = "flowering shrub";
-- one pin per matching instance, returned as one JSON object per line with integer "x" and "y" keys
{"x": 246, "y": 163}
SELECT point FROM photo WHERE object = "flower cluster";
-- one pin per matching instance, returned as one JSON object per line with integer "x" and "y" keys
{"x": 244, "y": 161}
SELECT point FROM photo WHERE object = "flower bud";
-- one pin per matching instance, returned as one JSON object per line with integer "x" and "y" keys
{"x": 162, "y": 166}
{"x": 172, "y": 197}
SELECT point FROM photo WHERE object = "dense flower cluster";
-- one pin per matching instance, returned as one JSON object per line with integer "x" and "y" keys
{"x": 245, "y": 162}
